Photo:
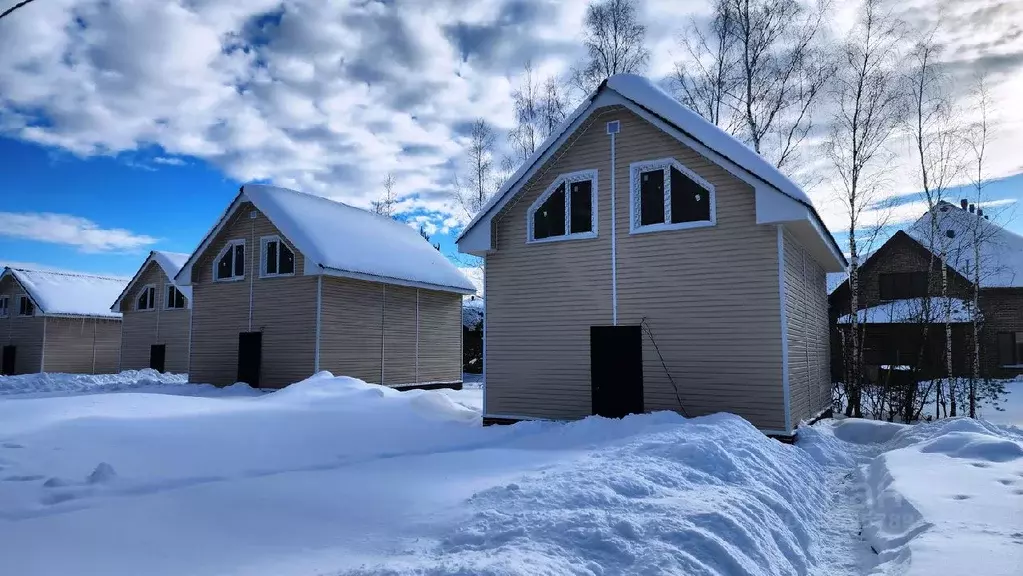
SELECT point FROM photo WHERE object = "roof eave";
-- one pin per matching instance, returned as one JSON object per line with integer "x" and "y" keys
{"x": 331, "y": 271}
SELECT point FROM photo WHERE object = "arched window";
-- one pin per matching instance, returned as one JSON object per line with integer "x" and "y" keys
{"x": 566, "y": 210}
{"x": 665, "y": 195}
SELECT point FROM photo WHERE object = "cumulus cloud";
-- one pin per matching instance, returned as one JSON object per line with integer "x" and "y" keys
{"x": 330, "y": 97}
{"x": 81, "y": 233}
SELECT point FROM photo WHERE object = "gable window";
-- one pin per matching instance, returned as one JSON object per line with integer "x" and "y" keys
{"x": 566, "y": 210}
{"x": 25, "y": 306}
{"x": 900, "y": 285}
{"x": 230, "y": 263}
{"x": 277, "y": 258}
{"x": 175, "y": 299}
{"x": 5, "y": 304}
{"x": 1010, "y": 348}
{"x": 665, "y": 195}
{"x": 146, "y": 299}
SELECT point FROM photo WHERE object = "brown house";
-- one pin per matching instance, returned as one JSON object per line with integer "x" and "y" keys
{"x": 287, "y": 284}
{"x": 900, "y": 287}
{"x": 156, "y": 316}
{"x": 642, "y": 260}
{"x": 58, "y": 322}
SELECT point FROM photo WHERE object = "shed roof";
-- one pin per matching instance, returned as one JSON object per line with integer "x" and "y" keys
{"x": 69, "y": 293}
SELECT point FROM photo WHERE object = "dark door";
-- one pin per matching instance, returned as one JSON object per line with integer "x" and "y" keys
{"x": 616, "y": 370}
{"x": 7, "y": 366}
{"x": 157, "y": 357}
{"x": 250, "y": 351}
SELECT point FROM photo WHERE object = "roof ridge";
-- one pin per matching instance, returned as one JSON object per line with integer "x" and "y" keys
{"x": 69, "y": 273}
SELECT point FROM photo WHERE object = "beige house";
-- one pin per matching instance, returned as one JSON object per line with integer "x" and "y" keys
{"x": 287, "y": 284}
{"x": 643, "y": 260}
{"x": 156, "y": 316}
{"x": 58, "y": 322}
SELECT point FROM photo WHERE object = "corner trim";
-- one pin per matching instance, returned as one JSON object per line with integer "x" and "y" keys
{"x": 319, "y": 308}
{"x": 786, "y": 392}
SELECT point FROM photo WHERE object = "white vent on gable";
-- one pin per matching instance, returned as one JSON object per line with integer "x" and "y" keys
{"x": 253, "y": 214}
{"x": 613, "y": 127}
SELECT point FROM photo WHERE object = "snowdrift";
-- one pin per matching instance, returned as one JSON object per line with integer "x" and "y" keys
{"x": 941, "y": 498}
{"x": 78, "y": 383}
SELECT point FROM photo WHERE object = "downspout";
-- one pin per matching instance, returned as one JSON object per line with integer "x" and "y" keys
{"x": 319, "y": 306}
{"x": 42, "y": 357}
{"x": 249, "y": 269}
{"x": 612, "y": 129}
{"x": 383, "y": 315}
{"x": 786, "y": 392}
{"x": 485, "y": 335}
{"x": 417, "y": 335}
{"x": 94, "y": 322}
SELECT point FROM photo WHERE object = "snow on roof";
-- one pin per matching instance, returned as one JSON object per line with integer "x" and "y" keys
{"x": 1001, "y": 251}
{"x": 70, "y": 294}
{"x": 472, "y": 313}
{"x": 347, "y": 239}
{"x": 835, "y": 279}
{"x": 911, "y": 311}
{"x": 650, "y": 96}
{"x": 172, "y": 263}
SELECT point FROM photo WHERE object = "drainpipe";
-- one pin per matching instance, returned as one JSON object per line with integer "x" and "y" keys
{"x": 612, "y": 129}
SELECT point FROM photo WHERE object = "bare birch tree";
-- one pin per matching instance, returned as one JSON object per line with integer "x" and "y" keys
{"x": 705, "y": 77}
{"x": 937, "y": 141}
{"x": 526, "y": 134}
{"x": 867, "y": 99}
{"x": 388, "y": 199}
{"x": 614, "y": 40}
{"x": 552, "y": 107}
{"x": 783, "y": 69}
{"x": 475, "y": 187}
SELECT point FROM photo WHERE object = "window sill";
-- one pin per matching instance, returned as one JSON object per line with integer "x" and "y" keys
{"x": 649, "y": 228}
{"x": 264, "y": 276}
{"x": 1013, "y": 366}
{"x": 144, "y": 310}
{"x": 565, "y": 238}
{"x": 231, "y": 279}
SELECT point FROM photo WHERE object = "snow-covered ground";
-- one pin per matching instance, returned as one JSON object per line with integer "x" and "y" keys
{"x": 335, "y": 476}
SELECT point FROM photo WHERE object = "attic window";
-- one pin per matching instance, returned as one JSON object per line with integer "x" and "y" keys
{"x": 25, "y": 306}
{"x": 175, "y": 299}
{"x": 277, "y": 258}
{"x": 5, "y": 305}
{"x": 230, "y": 262}
{"x": 146, "y": 299}
{"x": 665, "y": 195}
{"x": 566, "y": 210}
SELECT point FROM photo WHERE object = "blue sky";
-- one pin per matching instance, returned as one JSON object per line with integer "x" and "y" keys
{"x": 128, "y": 126}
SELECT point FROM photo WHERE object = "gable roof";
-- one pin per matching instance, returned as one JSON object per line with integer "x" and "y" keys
{"x": 1001, "y": 251}
{"x": 341, "y": 240}
{"x": 68, "y": 293}
{"x": 169, "y": 262}
{"x": 651, "y": 98}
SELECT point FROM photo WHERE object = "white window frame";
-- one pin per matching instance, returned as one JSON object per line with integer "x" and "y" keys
{"x": 145, "y": 288}
{"x": 567, "y": 180}
{"x": 635, "y": 194}
{"x": 230, "y": 246}
{"x": 166, "y": 295}
{"x": 5, "y": 310}
{"x": 263, "y": 241}
{"x": 25, "y": 297}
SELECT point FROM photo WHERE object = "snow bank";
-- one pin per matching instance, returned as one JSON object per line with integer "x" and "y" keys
{"x": 78, "y": 383}
{"x": 941, "y": 498}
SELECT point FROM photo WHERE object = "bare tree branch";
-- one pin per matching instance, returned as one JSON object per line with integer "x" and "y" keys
{"x": 614, "y": 41}
{"x": 15, "y": 7}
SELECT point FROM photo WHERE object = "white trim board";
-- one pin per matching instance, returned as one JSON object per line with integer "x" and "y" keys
{"x": 785, "y": 384}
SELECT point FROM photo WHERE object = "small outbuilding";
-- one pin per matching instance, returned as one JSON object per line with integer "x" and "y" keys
{"x": 286, "y": 284}
{"x": 642, "y": 259}
{"x": 58, "y": 322}
{"x": 156, "y": 316}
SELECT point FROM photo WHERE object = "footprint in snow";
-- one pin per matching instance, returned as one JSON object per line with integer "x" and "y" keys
{"x": 1006, "y": 481}
{"x": 23, "y": 478}
{"x": 962, "y": 497}
{"x": 11, "y": 445}
{"x": 980, "y": 464}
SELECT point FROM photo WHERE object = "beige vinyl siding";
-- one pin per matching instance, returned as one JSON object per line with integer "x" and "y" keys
{"x": 440, "y": 336}
{"x": 142, "y": 329}
{"x": 82, "y": 345}
{"x": 399, "y": 335}
{"x": 283, "y": 309}
{"x": 25, "y": 333}
{"x": 709, "y": 295}
{"x": 362, "y": 322}
{"x": 807, "y": 332}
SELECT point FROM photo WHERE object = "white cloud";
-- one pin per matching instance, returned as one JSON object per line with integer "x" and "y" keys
{"x": 328, "y": 97}
{"x": 76, "y": 231}
{"x": 169, "y": 161}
